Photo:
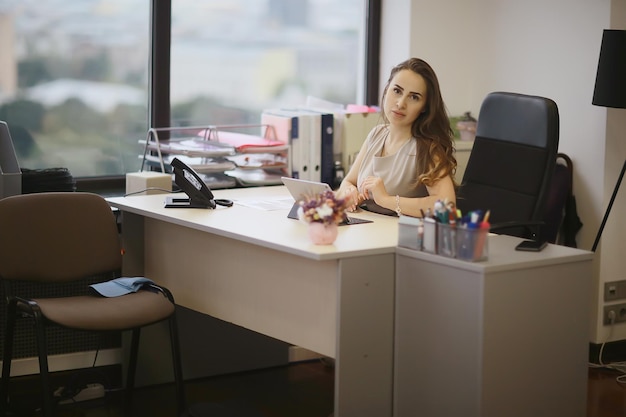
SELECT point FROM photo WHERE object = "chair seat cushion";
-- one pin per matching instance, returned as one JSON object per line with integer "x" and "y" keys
{"x": 102, "y": 313}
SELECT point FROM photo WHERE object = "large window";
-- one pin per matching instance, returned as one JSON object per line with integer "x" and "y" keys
{"x": 230, "y": 60}
{"x": 75, "y": 74}
{"x": 73, "y": 82}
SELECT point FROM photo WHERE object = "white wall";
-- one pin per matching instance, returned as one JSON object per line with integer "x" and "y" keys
{"x": 546, "y": 48}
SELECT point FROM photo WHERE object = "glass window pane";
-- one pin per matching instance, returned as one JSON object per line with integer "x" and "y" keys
{"x": 231, "y": 60}
{"x": 73, "y": 82}
{"x": 74, "y": 73}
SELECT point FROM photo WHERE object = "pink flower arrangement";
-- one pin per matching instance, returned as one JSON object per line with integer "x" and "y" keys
{"x": 324, "y": 208}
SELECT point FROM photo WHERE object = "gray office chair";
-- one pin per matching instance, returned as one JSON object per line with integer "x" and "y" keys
{"x": 510, "y": 168}
{"x": 50, "y": 239}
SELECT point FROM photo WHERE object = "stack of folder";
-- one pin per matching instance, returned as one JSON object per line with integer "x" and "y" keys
{"x": 223, "y": 156}
{"x": 259, "y": 160}
{"x": 319, "y": 137}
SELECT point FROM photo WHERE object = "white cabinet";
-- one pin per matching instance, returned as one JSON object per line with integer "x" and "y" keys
{"x": 504, "y": 337}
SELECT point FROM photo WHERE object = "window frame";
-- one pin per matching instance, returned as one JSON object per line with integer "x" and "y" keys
{"x": 159, "y": 78}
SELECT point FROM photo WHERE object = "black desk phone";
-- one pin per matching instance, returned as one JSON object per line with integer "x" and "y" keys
{"x": 198, "y": 193}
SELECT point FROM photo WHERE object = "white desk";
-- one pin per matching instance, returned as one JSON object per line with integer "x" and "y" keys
{"x": 506, "y": 337}
{"x": 257, "y": 269}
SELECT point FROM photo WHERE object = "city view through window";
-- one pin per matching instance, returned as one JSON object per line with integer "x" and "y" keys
{"x": 74, "y": 74}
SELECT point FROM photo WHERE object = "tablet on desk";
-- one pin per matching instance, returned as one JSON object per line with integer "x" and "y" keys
{"x": 300, "y": 189}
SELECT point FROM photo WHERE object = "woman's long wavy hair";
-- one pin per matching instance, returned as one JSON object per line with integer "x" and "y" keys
{"x": 435, "y": 144}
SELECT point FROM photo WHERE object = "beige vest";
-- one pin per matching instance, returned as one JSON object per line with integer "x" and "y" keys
{"x": 398, "y": 171}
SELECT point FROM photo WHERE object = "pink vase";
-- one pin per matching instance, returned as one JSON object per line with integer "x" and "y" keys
{"x": 323, "y": 234}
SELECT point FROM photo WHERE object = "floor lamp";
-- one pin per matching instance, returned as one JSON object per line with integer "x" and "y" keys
{"x": 610, "y": 91}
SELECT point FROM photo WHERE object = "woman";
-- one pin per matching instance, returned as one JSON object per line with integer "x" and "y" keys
{"x": 406, "y": 164}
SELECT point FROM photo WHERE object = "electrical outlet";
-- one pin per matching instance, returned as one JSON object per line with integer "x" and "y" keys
{"x": 615, "y": 313}
{"x": 614, "y": 290}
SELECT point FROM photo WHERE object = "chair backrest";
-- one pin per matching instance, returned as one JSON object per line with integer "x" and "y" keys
{"x": 560, "y": 190}
{"x": 512, "y": 160}
{"x": 57, "y": 237}
{"x": 561, "y": 219}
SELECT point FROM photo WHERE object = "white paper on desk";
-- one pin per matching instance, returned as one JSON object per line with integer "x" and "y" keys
{"x": 269, "y": 204}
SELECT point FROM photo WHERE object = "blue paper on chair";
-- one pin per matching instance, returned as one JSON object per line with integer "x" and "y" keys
{"x": 121, "y": 286}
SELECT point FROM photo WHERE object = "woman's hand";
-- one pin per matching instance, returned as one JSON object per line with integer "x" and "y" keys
{"x": 373, "y": 188}
{"x": 349, "y": 192}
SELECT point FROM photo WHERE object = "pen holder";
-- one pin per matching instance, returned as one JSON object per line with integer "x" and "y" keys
{"x": 410, "y": 230}
{"x": 429, "y": 242}
{"x": 472, "y": 244}
{"x": 446, "y": 240}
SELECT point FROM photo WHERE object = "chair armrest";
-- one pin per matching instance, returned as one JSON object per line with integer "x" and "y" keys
{"x": 531, "y": 226}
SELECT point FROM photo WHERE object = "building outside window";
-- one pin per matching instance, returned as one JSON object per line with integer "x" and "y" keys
{"x": 74, "y": 74}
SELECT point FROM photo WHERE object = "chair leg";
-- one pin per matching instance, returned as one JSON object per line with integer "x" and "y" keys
{"x": 7, "y": 355}
{"x": 42, "y": 351}
{"x": 132, "y": 369}
{"x": 177, "y": 365}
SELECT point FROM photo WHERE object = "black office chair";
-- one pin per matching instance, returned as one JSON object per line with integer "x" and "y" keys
{"x": 561, "y": 219}
{"x": 510, "y": 168}
{"x": 54, "y": 238}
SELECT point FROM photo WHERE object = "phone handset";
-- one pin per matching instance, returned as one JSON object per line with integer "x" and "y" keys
{"x": 199, "y": 194}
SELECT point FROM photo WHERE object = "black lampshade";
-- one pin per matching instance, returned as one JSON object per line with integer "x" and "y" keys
{"x": 610, "y": 90}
